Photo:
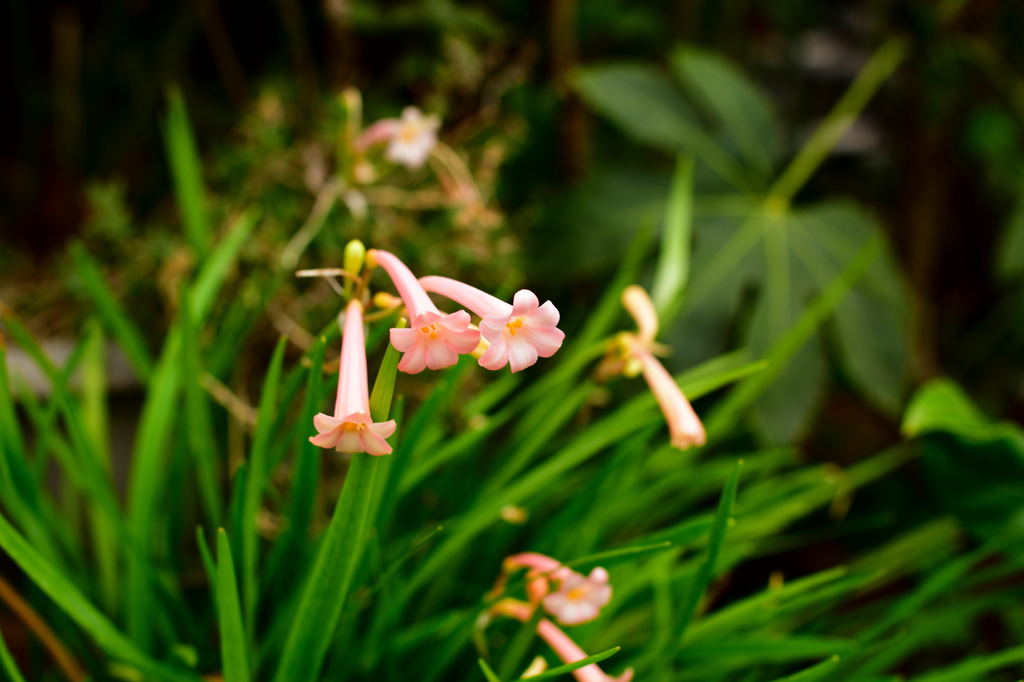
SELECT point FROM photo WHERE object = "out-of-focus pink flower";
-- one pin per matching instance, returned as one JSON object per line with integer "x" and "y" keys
{"x": 410, "y": 138}
{"x": 518, "y": 333}
{"x": 685, "y": 428}
{"x": 433, "y": 340}
{"x": 560, "y": 643}
{"x": 570, "y": 652}
{"x": 579, "y": 598}
{"x": 541, "y": 569}
{"x": 351, "y": 429}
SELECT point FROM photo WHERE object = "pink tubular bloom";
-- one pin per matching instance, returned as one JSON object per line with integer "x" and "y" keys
{"x": 381, "y": 131}
{"x": 351, "y": 429}
{"x": 570, "y": 652}
{"x": 541, "y": 570}
{"x": 518, "y": 334}
{"x": 640, "y": 306}
{"x": 579, "y": 598}
{"x": 434, "y": 340}
{"x": 684, "y": 427}
{"x": 410, "y": 138}
{"x": 563, "y": 645}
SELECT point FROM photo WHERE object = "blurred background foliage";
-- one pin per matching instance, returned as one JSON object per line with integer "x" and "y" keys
{"x": 577, "y": 122}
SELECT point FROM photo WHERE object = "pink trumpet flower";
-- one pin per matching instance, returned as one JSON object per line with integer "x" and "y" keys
{"x": 434, "y": 339}
{"x": 685, "y": 428}
{"x": 410, "y": 139}
{"x": 579, "y": 598}
{"x": 563, "y": 645}
{"x": 518, "y": 333}
{"x": 352, "y": 429}
{"x": 570, "y": 652}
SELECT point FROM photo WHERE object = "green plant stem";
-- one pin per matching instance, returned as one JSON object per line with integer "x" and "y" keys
{"x": 328, "y": 586}
{"x": 875, "y": 72}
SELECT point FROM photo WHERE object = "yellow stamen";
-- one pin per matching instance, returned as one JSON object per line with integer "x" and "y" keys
{"x": 576, "y": 594}
{"x": 514, "y": 325}
{"x": 408, "y": 133}
{"x": 352, "y": 426}
{"x": 430, "y": 330}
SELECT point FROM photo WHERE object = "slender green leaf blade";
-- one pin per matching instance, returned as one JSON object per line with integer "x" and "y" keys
{"x": 707, "y": 569}
{"x": 186, "y": 170}
{"x": 326, "y": 590}
{"x": 232, "y": 632}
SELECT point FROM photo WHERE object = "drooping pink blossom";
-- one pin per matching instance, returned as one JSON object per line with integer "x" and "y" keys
{"x": 351, "y": 428}
{"x": 433, "y": 340}
{"x": 541, "y": 569}
{"x": 518, "y": 333}
{"x": 570, "y": 652}
{"x": 559, "y": 641}
{"x": 410, "y": 138}
{"x": 685, "y": 428}
{"x": 579, "y": 598}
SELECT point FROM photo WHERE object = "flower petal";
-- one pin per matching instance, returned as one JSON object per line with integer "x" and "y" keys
{"x": 440, "y": 354}
{"x": 521, "y": 354}
{"x": 524, "y": 303}
{"x": 456, "y": 322}
{"x": 546, "y": 340}
{"x": 496, "y": 356}
{"x": 383, "y": 429}
{"x": 325, "y": 439}
{"x": 373, "y": 444}
{"x": 493, "y": 328}
{"x": 545, "y": 316}
{"x": 414, "y": 360}
{"x": 325, "y": 422}
{"x": 403, "y": 339}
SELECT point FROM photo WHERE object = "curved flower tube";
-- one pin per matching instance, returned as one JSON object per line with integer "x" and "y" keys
{"x": 352, "y": 429}
{"x": 433, "y": 340}
{"x": 685, "y": 428}
{"x": 563, "y": 645}
{"x": 518, "y": 333}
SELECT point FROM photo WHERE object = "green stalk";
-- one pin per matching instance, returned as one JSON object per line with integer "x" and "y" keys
{"x": 326, "y": 590}
{"x": 876, "y": 71}
{"x": 735, "y": 404}
{"x": 94, "y": 413}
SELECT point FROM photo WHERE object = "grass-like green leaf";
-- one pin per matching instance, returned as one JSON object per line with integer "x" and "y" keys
{"x": 822, "y": 670}
{"x": 68, "y": 597}
{"x": 976, "y": 668}
{"x": 488, "y": 671}
{"x": 147, "y": 479}
{"x": 95, "y": 418}
{"x": 706, "y": 571}
{"x": 186, "y": 171}
{"x": 114, "y": 317}
{"x": 7, "y": 663}
{"x": 211, "y": 276}
{"x": 569, "y": 667}
{"x": 328, "y": 585}
{"x": 232, "y": 632}
{"x": 256, "y": 479}
{"x": 673, "y": 267}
